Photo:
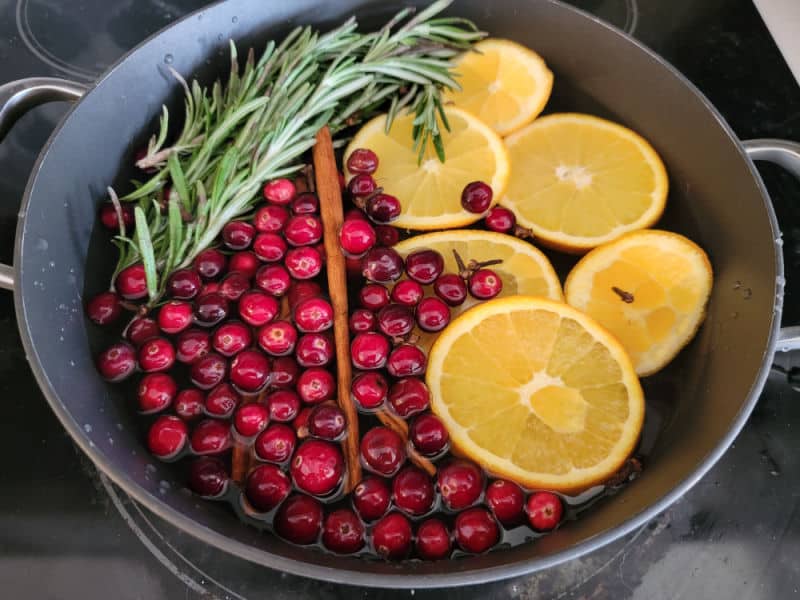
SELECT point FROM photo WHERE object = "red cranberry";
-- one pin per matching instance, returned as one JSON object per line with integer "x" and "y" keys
{"x": 314, "y": 350}
{"x": 544, "y": 510}
{"x": 369, "y": 390}
{"x": 312, "y": 315}
{"x": 175, "y": 316}
{"x": 476, "y": 530}
{"x": 362, "y": 320}
{"x": 432, "y": 314}
{"x": 277, "y": 338}
{"x": 387, "y": 235}
{"x": 244, "y": 262}
{"x": 300, "y": 422}
{"x": 303, "y": 230}
{"x": 131, "y": 282}
{"x": 283, "y": 405}
{"x": 343, "y": 532}
{"x": 156, "y": 354}
{"x": 391, "y": 537}
{"x": 184, "y": 284}
{"x": 234, "y": 285}
{"x": 209, "y": 287}
{"x": 231, "y": 337}
{"x": 110, "y": 219}
{"x": 362, "y": 185}
{"x": 189, "y": 404}
{"x": 276, "y": 443}
{"x": 369, "y": 351}
{"x": 413, "y": 491}
{"x": 269, "y": 247}
{"x": 208, "y": 477}
{"x": 409, "y": 396}
{"x": 326, "y": 422}
{"x": 485, "y": 284}
{"x": 300, "y": 290}
{"x": 317, "y": 467}
{"x": 306, "y": 203}
{"x": 192, "y": 345}
{"x": 238, "y": 235}
{"x": 500, "y": 219}
{"x": 270, "y": 219}
{"x": 356, "y": 237}
{"x": 382, "y": 265}
{"x": 304, "y": 262}
{"x": 433, "y": 540}
{"x": 285, "y": 371}
{"x": 210, "y": 309}
{"x": 383, "y": 208}
{"x": 156, "y": 391}
{"x": 279, "y": 191}
{"x": 407, "y": 292}
{"x": 424, "y": 266}
{"x": 373, "y": 296}
{"x": 167, "y": 437}
{"x": 406, "y": 360}
{"x": 221, "y": 401}
{"x": 117, "y": 362}
{"x": 316, "y": 385}
{"x": 362, "y": 160}
{"x": 460, "y": 483}
{"x": 450, "y": 288}
{"x": 210, "y": 263}
{"x": 506, "y": 501}
{"x": 395, "y": 320}
{"x": 371, "y": 498}
{"x": 429, "y": 435}
{"x": 257, "y": 308}
{"x": 476, "y": 197}
{"x": 250, "y": 371}
{"x": 266, "y": 487}
{"x": 210, "y": 437}
{"x": 142, "y": 329}
{"x": 299, "y": 519}
{"x": 383, "y": 450}
{"x": 208, "y": 371}
{"x": 273, "y": 279}
{"x": 104, "y": 308}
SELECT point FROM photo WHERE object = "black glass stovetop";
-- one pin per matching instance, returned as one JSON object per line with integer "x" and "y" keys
{"x": 66, "y": 532}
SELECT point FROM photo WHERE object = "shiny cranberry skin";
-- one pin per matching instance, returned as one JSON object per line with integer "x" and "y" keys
{"x": 175, "y": 316}
{"x": 316, "y": 385}
{"x": 156, "y": 354}
{"x": 506, "y": 501}
{"x": 407, "y": 293}
{"x": 314, "y": 350}
{"x": 167, "y": 437}
{"x": 383, "y": 451}
{"x": 433, "y": 540}
{"x": 209, "y": 287}
{"x": 257, "y": 308}
{"x": 432, "y": 314}
{"x": 369, "y": 390}
{"x": 142, "y": 329}
{"x": 300, "y": 422}
{"x": 362, "y": 160}
{"x": 231, "y": 337}
{"x": 451, "y": 288}
{"x": 250, "y": 371}
{"x": 273, "y": 279}
{"x": 373, "y": 296}
{"x": 189, "y": 404}
{"x": 303, "y": 230}
{"x": 300, "y": 290}
{"x": 155, "y": 392}
{"x": 117, "y": 362}
{"x": 104, "y": 308}
{"x": 244, "y": 262}
{"x": 391, "y": 537}
{"x": 210, "y": 437}
{"x": 208, "y": 477}
{"x": 356, "y": 237}
{"x": 238, "y": 235}
{"x": 131, "y": 282}
{"x": 269, "y": 247}
{"x": 500, "y": 219}
{"x": 382, "y": 265}
{"x": 270, "y": 219}
{"x": 424, "y": 266}
{"x": 395, "y": 320}
{"x": 369, "y": 351}
{"x": 303, "y": 263}
{"x": 285, "y": 372}
{"x": 317, "y": 467}
{"x": 371, "y": 498}
{"x": 312, "y": 315}
{"x": 406, "y": 360}
{"x": 544, "y": 510}
{"x": 306, "y": 203}
{"x": 277, "y": 338}
{"x": 343, "y": 532}
{"x": 221, "y": 401}
{"x": 192, "y": 345}
{"x": 210, "y": 309}
{"x": 208, "y": 371}
{"x": 362, "y": 185}
{"x": 184, "y": 284}
{"x": 299, "y": 519}
{"x": 476, "y": 197}
{"x": 326, "y": 422}
{"x": 234, "y": 285}
{"x": 413, "y": 491}
{"x": 476, "y": 530}
{"x": 409, "y": 396}
{"x": 283, "y": 405}
{"x": 383, "y": 208}
{"x": 110, "y": 220}
{"x": 362, "y": 320}
{"x": 387, "y": 235}
{"x": 460, "y": 483}
{"x": 266, "y": 487}
{"x": 429, "y": 435}
{"x": 210, "y": 263}
{"x": 276, "y": 443}
{"x": 279, "y": 191}
{"x": 485, "y": 284}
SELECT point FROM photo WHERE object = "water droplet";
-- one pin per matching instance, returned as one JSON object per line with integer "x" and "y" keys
{"x": 234, "y": 19}
{"x": 41, "y": 244}
{"x": 87, "y": 428}
{"x": 52, "y": 263}
{"x": 63, "y": 306}
{"x": 72, "y": 363}
{"x": 168, "y": 58}
{"x": 150, "y": 468}
{"x": 120, "y": 427}
{"x": 111, "y": 441}
{"x": 61, "y": 338}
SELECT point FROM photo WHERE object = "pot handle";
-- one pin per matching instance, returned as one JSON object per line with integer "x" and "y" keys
{"x": 787, "y": 155}
{"x": 17, "y": 98}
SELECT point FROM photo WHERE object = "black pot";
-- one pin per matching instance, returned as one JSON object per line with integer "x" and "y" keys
{"x": 717, "y": 199}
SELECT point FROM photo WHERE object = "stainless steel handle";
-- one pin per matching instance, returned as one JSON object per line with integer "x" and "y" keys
{"x": 17, "y": 98}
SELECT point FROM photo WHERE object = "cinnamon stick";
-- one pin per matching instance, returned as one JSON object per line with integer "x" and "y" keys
{"x": 332, "y": 212}
{"x": 400, "y": 427}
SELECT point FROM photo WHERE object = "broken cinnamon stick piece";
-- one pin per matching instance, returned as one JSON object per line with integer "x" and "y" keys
{"x": 400, "y": 427}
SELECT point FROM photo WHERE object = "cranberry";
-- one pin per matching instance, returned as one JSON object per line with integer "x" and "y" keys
{"x": 221, "y": 401}
{"x": 167, "y": 437}
{"x": 208, "y": 371}
{"x": 371, "y": 498}
{"x": 409, "y": 396}
{"x": 142, "y": 329}
{"x": 544, "y": 510}
{"x": 312, "y": 315}
{"x": 209, "y": 287}
{"x": 208, "y": 477}
{"x": 210, "y": 309}
{"x": 460, "y": 483}
{"x": 383, "y": 208}
{"x": 192, "y": 345}
{"x": 276, "y": 443}
{"x": 476, "y": 197}
{"x": 117, "y": 362}
{"x": 210, "y": 437}
{"x": 131, "y": 282}
{"x": 326, "y": 422}
{"x": 343, "y": 532}
{"x": 231, "y": 337}
{"x": 450, "y": 288}
{"x": 299, "y": 519}
{"x": 316, "y": 385}
{"x": 485, "y": 284}
{"x": 300, "y": 422}
{"x": 395, "y": 320}
{"x": 266, "y": 487}
{"x": 283, "y": 405}
{"x": 279, "y": 191}
{"x": 407, "y": 292}
{"x": 184, "y": 284}
{"x": 424, "y": 266}
{"x": 362, "y": 160}
{"x": 175, "y": 316}
{"x": 269, "y": 247}
{"x": 476, "y": 530}
{"x": 110, "y": 219}
{"x": 413, "y": 491}
{"x": 387, "y": 235}
{"x": 406, "y": 360}
{"x": 433, "y": 540}
{"x": 382, "y": 265}
{"x": 257, "y": 308}
{"x": 356, "y": 237}
{"x": 250, "y": 371}
{"x": 432, "y": 314}
{"x": 300, "y": 290}
{"x": 304, "y": 262}
{"x": 270, "y": 218}
{"x": 234, "y": 285}
{"x": 314, "y": 350}
{"x": 156, "y": 391}
{"x": 391, "y": 536}
{"x": 362, "y": 185}
{"x": 156, "y": 354}
{"x": 383, "y": 451}
{"x": 273, "y": 279}
{"x": 238, "y": 235}
{"x": 362, "y": 320}
{"x": 244, "y": 262}
{"x": 104, "y": 308}
{"x": 210, "y": 263}
{"x": 373, "y": 296}
{"x": 303, "y": 230}
{"x": 277, "y": 338}
{"x": 285, "y": 371}
{"x": 500, "y": 219}
{"x": 306, "y": 203}
{"x": 317, "y": 467}
{"x": 369, "y": 351}
{"x": 429, "y": 435}
{"x": 189, "y": 404}
{"x": 506, "y": 501}
{"x": 369, "y": 390}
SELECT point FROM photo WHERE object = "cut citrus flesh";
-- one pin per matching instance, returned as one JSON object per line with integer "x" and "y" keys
{"x": 579, "y": 181}
{"x": 504, "y": 84}
{"x": 430, "y": 192}
{"x": 537, "y": 392}
{"x": 649, "y": 288}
